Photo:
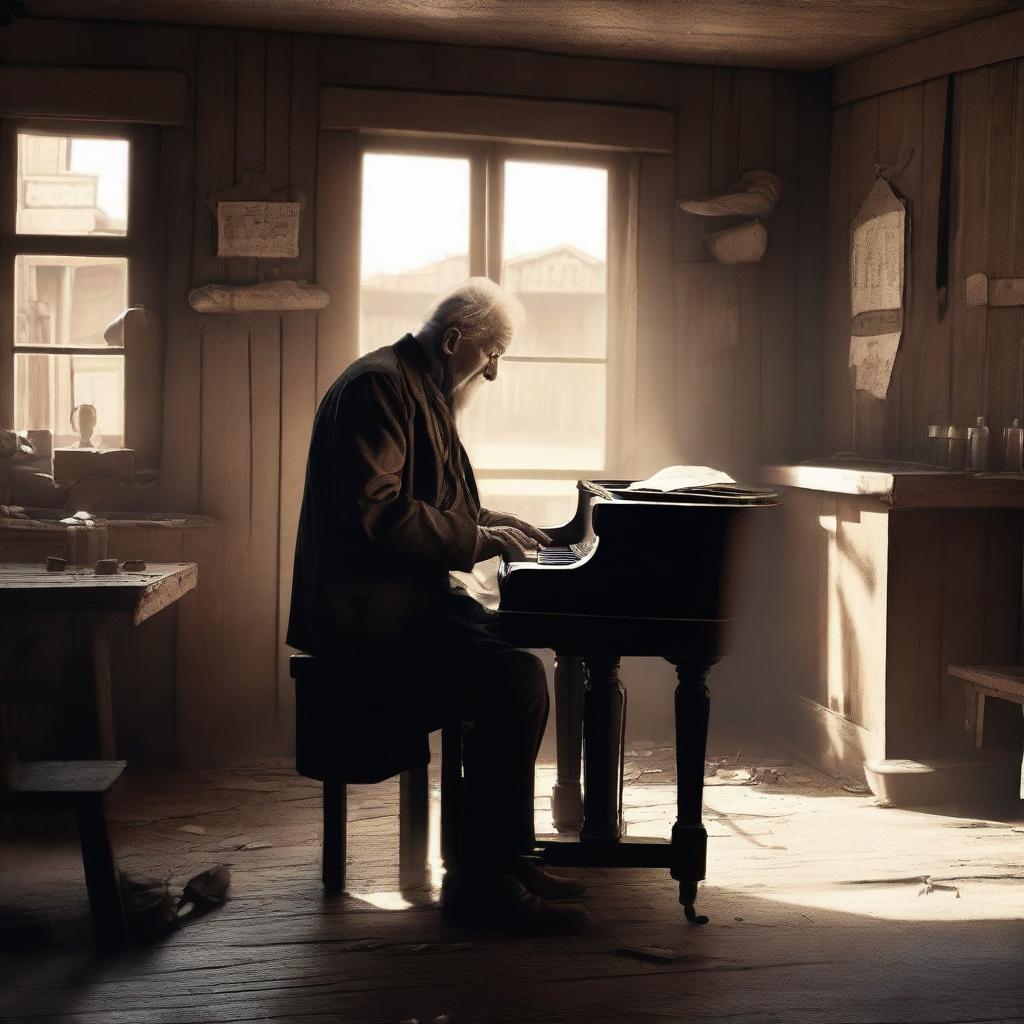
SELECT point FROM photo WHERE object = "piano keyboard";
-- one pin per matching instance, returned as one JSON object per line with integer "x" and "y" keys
{"x": 556, "y": 555}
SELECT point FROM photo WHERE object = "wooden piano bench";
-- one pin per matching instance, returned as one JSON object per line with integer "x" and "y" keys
{"x": 82, "y": 787}
{"x": 331, "y": 737}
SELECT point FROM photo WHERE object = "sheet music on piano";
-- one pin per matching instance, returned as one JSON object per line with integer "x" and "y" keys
{"x": 681, "y": 478}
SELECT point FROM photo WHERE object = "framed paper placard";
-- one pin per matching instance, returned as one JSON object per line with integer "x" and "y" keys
{"x": 262, "y": 230}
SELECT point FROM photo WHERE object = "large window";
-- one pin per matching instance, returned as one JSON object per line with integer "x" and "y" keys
{"x": 69, "y": 252}
{"x": 537, "y": 222}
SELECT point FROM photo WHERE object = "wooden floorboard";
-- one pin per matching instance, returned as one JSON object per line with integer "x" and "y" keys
{"x": 824, "y": 906}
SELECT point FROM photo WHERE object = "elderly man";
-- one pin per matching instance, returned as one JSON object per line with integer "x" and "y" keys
{"x": 390, "y": 509}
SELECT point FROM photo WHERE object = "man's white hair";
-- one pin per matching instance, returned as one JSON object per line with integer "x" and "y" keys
{"x": 480, "y": 310}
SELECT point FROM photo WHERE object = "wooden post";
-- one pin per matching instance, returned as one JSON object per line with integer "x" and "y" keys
{"x": 413, "y": 827}
{"x": 567, "y": 795}
{"x": 335, "y": 826}
{"x": 604, "y": 717}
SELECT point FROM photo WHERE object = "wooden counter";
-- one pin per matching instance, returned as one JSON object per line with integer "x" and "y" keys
{"x": 887, "y": 574}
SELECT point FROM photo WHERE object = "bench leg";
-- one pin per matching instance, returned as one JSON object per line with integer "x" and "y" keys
{"x": 413, "y": 828}
{"x": 335, "y": 824}
{"x": 102, "y": 880}
{"x": 451, "y": 794}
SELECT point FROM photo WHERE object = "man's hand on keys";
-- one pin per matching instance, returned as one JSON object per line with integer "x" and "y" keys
{"x": 511, "y": 542}
{"x": 506, "y": 519}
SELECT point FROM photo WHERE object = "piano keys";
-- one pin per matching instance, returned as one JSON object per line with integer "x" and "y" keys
{"x": 632, "y": 573}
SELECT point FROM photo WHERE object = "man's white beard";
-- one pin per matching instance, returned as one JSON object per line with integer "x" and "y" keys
{"x": 463, "y": 397}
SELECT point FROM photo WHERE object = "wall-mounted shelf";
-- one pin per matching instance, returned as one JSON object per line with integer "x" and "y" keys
{"x": 266, "y": 297}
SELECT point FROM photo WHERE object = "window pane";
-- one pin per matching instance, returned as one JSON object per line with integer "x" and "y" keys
{"x": 47, "y": 388}
{"x": 541, "y": 502}
{"x": 538, "y": 416}
{"x": 67, "y": 300}
{"x": 555, "y": 248}
{"x": 414, "y": 241}
{"x": 72, "y": 186}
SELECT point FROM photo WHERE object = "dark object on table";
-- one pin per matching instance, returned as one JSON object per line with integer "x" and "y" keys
{"x": 105, "y": 566}
{"x": 54, "y": 564}
{"x": 133, "y": 565}
{"x": 633, "y": 573}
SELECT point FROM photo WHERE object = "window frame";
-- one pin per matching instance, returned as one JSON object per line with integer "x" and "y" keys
{"x": 139, "y": 245}
{"x": 487, "y": 160}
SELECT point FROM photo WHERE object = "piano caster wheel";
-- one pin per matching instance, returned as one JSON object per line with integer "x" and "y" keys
{"x": 688, "y": 896}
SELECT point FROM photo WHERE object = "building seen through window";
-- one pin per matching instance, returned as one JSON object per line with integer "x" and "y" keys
{"x": 69, "y": 186}
{"x": 543, "y": 423}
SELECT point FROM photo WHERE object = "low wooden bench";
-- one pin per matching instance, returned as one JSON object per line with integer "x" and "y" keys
{"x": 82, "y": 787}
{"x": 1003, "y": 681}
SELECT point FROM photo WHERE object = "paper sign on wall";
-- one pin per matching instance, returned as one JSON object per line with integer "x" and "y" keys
{"x": 877, "y": 253}
{"x": 262, "y": 230}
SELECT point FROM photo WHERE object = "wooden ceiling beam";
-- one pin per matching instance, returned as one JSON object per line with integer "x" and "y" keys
{"x": 987, "y": 41}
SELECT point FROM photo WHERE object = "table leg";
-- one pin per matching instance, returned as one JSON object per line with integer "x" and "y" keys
{"x": 88, "y": 695}
{"x": 604, "y": 718}
{"x": 413, "y": 827}
{"x": 689, "y": 837}
{"x": 567, "y": 796}
{"x": 102, "y": 880}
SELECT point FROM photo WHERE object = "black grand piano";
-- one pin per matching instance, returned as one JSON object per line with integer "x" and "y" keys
{"x": 635, "y": 572}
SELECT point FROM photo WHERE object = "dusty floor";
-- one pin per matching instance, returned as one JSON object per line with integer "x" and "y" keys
{"x": 824, "y": 906}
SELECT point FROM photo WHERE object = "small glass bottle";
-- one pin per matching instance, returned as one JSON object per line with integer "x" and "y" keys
{"x": 956, "y": 458}
{"x": 977, "y": 443}
{"x": 1013, "y": 447}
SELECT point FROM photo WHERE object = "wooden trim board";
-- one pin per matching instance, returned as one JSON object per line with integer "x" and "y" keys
{"x": 826, "y": 739}
{"x": 592, "y": 125}
{"x": 123, "y": 95}
{"x": 903, "y": 489}
{"x": 974, "y": 45}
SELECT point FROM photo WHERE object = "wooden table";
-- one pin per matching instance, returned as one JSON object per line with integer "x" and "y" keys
{"x": 93, "y": 608}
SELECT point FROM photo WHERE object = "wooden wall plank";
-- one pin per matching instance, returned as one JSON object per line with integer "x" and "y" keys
{"x": 215, "y": 148}
{"x": 1004, "y": 194}
{"x": 713, "y": 388}
{"x": 778, "y": 291}
{"x": 909, "y": 183}
{"x": 969, "y": 205}
{"x": 302, "y": 144}
{"x": 259, "y": 653}
{"x": 755, "y": 148}
{"x": 693, "y": 158}
{"x": 837, "y": 390}
{"x": 337, "y": 257}
{"x": 250, "y": 126}
{"x": 693, "y": 170}
{"x": 812, "y": 185}
{"x": 935, "y": 341}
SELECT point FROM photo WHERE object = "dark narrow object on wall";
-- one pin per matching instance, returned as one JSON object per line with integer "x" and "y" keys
{"x": 942, "y": 238}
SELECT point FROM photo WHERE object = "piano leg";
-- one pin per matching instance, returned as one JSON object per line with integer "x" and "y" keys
{"x": 567, "y": 796}
{"x": 689, "y": 837}
{"x": 604, "y": 717}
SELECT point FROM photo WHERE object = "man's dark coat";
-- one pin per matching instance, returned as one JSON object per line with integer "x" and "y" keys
{"x": 390, "y": 506}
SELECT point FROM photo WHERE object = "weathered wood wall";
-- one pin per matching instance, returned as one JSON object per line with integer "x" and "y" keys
{"x": 969, "y": 362}
{"x": 240, "y": 391}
